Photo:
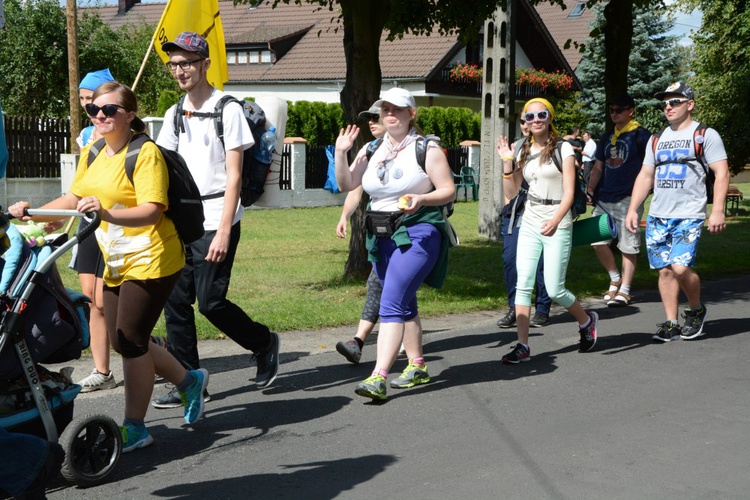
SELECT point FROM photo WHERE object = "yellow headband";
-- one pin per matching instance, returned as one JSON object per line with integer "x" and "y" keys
{"x": 546, "y": 104}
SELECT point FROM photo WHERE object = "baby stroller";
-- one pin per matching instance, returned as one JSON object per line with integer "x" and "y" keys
{"x": 42, "y": 322}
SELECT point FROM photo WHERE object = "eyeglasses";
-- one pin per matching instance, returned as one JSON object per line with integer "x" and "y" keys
{"x": 183, "y": 65}
{"x": 673, "y": 103}
{"x": 109, "y": 110}
{"x": 372, "y": 118}
{"x": 617, "y": 111}
{"x": 542, "y": 115}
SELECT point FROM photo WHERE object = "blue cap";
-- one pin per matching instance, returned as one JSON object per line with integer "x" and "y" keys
{"x": 92, "y": 80}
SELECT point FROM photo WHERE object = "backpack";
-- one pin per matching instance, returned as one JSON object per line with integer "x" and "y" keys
{"x": 579, "y": 196}
{"x": 185, "y": 206}
{"x": 420, "y": 150}
{"x": 698, "y": 133}
{"x": 254, "y": 171}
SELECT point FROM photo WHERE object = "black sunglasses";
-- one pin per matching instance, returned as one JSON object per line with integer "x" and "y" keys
{"x": 109, "y": 110}
{"x": 616, "y": 111}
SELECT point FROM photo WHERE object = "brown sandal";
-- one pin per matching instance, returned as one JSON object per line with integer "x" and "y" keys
{"x": 610, "y": 294}
{"x": 619, "y": 300}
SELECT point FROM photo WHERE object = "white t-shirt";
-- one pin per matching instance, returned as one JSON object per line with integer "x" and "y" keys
{"x": 404, "y": 176}
{"x": 546, "y": 183}
{"x": 589, "y": 150}
{"x": 680, "y": 189}
{"x": 204, "y": 153}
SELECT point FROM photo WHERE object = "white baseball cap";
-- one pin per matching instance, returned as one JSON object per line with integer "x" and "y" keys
{"x": 398, "y": 97}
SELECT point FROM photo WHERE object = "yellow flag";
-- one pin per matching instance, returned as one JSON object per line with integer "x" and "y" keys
{"x": 202, "y": 17}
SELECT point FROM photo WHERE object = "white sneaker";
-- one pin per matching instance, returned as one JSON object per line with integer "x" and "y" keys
{"x": 98, "y": 381}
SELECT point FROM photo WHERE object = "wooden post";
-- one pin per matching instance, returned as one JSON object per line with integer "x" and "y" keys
{"x": 498, "y": 112}
{"x": 74, "y": 76}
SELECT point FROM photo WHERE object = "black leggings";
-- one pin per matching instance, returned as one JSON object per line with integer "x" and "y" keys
{"x": 130, "y": 328}
{"x": 371, "y": 309}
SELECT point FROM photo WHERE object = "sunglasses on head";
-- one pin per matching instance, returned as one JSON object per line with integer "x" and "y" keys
{"x": 542, "y": 115}
{"x": 673, "y": 103}
{"x": 109, "y": 110}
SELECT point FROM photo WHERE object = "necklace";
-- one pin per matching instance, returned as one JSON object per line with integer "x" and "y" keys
{"x": 110, "y": 155}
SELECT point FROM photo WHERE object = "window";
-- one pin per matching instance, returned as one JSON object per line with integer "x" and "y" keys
{"x": 231, "y": 57}
{"x": 242, "y": 58}
{"x": 265, "y": 56}
{"x": 578, "y": 10}
{"x": 254, "y": 58}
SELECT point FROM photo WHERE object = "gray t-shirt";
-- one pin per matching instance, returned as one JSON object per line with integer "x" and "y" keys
{"x": 679, "y": 188}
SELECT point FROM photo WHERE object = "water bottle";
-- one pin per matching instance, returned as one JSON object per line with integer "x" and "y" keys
{"x": 267, "y": 146}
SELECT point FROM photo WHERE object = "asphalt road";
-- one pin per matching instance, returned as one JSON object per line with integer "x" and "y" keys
{"x": 630, "y": 420}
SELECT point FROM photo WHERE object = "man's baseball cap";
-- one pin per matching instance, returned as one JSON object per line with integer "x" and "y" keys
{"x": 678, "y": 88}
{"x": 189, "y": 41}
{"x": 624, "y": 101}
{"x": 373, "y": 112}
{"x": 398, "y": 97}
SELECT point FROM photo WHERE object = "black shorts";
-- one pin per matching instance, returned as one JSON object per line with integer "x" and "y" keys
{"x": 89, "y": 258}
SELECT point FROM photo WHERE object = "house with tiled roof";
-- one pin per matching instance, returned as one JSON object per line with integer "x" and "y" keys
{"x": 296, "y": 52}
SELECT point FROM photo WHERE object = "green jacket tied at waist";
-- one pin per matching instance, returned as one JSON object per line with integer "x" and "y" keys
{"x": 429, "y": 215}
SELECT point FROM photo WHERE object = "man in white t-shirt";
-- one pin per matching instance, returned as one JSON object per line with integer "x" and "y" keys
{"x": 677, "y": 172}
{"x": 589, "y": 152}
{"x": 216, "y": 167}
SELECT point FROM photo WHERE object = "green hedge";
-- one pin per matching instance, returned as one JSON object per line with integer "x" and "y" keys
{"x": 319, "y": 123}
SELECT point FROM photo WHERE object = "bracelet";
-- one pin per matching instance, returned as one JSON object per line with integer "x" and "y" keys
{"x": 507, "y": 158}
{"x": 508, "y": 176}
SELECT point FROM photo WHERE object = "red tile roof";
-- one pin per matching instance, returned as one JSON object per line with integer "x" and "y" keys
{"x": 564, "y": 28}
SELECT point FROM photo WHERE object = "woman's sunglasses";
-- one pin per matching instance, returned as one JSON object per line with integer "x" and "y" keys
{"x": 542, "y": 115}
{"x": 109, "y": 110}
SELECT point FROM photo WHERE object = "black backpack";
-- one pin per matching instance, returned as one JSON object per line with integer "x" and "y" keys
{"x": 700, "y": 131}
{"x": 254, "y": 172}
{"x": 185, "y": 206}
{"x": 579, "y": 198}
{"x": 420, "y": 150}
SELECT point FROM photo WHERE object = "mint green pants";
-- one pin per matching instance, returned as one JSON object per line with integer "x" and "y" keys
{"x": 556, "y": 257}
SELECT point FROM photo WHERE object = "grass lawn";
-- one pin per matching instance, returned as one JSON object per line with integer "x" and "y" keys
{"x": 288, "y": 270}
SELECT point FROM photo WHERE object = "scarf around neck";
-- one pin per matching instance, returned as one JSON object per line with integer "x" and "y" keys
{"x": 629, "y": 127}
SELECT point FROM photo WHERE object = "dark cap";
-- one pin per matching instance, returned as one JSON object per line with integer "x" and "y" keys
{"x": 373, "y": 112}
{"x": 189, "y": 41}
{"x": 624, "y": 100}
{"x": 678, "y": 88}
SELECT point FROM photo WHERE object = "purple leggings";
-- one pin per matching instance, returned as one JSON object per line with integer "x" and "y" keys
{"x": 402, "y": 270}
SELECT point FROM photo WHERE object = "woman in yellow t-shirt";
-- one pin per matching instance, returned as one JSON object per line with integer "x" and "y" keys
{"x": 142, "y": 252}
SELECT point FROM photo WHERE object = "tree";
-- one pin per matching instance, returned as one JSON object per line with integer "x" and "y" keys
{"x": 33, "y": 58}
{"x": 722, "y": 73}
{"x": 657, "y": 63}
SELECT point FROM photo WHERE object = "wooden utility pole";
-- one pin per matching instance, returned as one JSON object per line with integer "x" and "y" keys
{"x": 73, "y": 74}
{"x": 498, "y": 112}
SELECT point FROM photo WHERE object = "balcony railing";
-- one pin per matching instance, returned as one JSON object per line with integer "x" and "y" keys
{"x": 442, "y": 84}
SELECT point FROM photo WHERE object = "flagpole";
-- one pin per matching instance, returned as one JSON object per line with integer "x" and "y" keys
{"x": 143, "y": 64}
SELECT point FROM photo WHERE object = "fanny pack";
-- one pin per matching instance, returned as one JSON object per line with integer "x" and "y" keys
{"x": 383, "y": 224}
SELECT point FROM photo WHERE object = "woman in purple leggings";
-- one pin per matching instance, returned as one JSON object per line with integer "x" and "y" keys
{"x": 407, "y": 237}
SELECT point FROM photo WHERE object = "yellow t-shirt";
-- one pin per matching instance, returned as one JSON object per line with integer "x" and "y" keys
{"x": 131, "y": 253}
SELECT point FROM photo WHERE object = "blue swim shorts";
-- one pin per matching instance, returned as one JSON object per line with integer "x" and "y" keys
{"x": 672, "y": 241}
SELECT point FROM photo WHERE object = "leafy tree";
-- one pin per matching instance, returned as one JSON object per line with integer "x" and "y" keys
{"x": 34, "y": 60}
{"x": 657, "y": 63}
{"x": 722, "y": 73}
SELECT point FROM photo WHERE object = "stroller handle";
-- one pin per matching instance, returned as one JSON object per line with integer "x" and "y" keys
{"x": 92, "y": 217}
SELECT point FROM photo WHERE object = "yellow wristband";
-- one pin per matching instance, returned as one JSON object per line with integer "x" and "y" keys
{"x": 507, "y": 158}
{"x": 508, "y": 176}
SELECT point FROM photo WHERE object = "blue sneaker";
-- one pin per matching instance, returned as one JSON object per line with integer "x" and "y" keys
{"x": 192, "y": 398}
{"x": 133, "y": 438}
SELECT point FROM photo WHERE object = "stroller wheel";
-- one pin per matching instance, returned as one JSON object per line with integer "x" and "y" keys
{"x": 92, "y": 445}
